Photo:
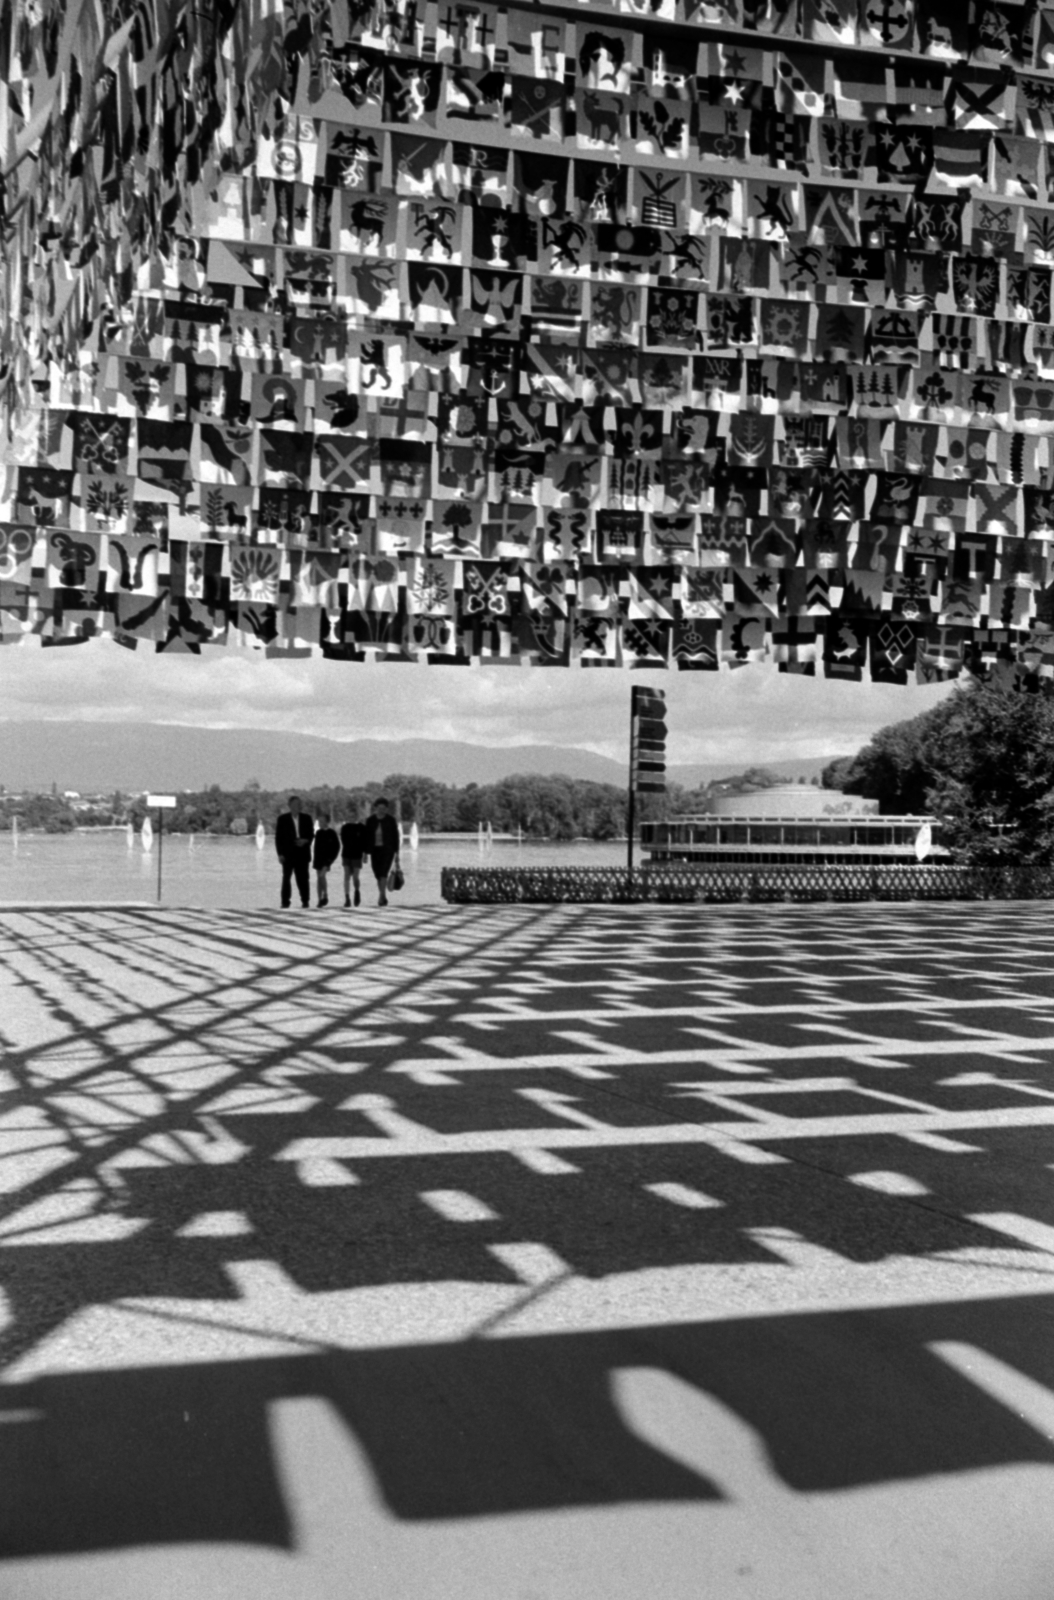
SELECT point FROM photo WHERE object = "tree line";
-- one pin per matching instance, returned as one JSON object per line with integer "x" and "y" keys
{"x": 539, "y": 807}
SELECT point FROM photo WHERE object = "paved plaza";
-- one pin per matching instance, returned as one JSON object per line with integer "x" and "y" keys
{"x": 528, "y": 1253}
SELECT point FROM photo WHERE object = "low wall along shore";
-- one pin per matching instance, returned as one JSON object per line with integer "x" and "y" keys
{"x": 728, "y": 885}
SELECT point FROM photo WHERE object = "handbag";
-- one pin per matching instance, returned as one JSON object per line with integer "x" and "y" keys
{"x": 396, "y": 878}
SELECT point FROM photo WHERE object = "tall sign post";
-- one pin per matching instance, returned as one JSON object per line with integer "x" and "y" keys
{"x": 161, "y": 803}
{"x": 647, "y": 753}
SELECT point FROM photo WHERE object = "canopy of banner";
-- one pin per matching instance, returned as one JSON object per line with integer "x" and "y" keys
{"x": 669, "y": 332}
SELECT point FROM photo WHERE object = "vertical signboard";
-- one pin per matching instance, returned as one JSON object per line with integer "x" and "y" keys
{"x": 647, "y": 753}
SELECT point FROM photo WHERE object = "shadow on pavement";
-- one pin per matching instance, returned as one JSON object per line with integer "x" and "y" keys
{"x": 158, "y": 1075}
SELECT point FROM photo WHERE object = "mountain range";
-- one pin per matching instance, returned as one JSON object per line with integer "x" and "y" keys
{"x": 93, "y": 757}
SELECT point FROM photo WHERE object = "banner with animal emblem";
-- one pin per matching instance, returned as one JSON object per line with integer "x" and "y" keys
{"x": 682, "y": 336}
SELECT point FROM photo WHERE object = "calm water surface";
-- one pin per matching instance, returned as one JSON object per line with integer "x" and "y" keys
{"x": 216, "y": 873}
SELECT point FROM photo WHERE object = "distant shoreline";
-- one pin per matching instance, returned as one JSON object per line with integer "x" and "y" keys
{"x": 250, "y": 838}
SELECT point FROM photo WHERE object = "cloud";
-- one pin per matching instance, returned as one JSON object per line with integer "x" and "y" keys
{"x": 752, "y": 714}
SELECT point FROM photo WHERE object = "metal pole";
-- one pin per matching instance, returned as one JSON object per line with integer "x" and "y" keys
{"x": 160, "y": 848}
{"x": 631, "y": 824}
{"x": 631, "y": 810}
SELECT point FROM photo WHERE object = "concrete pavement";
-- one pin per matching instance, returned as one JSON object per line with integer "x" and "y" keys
{"x": 537, "y": 1252}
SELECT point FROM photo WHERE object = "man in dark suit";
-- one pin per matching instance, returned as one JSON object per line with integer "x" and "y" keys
{"x": 382, "y": 842}
{"x": 292, "y": 840}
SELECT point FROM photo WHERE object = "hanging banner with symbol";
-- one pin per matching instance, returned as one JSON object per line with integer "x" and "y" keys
{"x": 639, "y": 337}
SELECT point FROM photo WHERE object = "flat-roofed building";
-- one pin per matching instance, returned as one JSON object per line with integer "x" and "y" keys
{"x": 791, "y": 823}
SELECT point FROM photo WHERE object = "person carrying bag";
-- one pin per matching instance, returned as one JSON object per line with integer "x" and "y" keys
{"x": 382, "y": 843}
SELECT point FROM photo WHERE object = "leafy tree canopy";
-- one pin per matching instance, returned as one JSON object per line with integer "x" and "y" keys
{"x": 895, "y": 766}
{"x": 982, "y": 761}
{"x": 993, "y": 762}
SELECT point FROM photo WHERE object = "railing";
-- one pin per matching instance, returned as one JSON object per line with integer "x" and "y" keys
{"x": 732, "y": 885}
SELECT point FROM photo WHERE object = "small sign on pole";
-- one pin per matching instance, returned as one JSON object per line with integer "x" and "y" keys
{"x": 161, "y": 803}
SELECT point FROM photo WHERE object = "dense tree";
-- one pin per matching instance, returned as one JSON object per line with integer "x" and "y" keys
{"x": 835, "y": 773}
{"x": 992, "y": 756}
{"x": 467, "y": 808}
{"x": 982, "y": 762}
{"x": 418, "y": 799}
{"x": 895, "y": 767}
{"x": 43, "y": 813}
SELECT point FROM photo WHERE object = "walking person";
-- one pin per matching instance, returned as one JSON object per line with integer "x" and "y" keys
{"x": 352, "y": 850}
{"x": 382, "y": 843}
{"x": 326, "y": 850}
{"x": 292, "y": 840}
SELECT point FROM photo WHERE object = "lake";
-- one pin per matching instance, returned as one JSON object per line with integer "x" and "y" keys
{"x": 217, "y": 873}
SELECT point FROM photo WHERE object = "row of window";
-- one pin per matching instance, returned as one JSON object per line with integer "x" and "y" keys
{"x": 870, "y": 834}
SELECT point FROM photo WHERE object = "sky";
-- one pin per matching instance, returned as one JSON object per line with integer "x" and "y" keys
{"x": 753, "y": 714}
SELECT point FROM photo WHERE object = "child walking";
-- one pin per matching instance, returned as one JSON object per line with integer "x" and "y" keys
{"x": 352, "y": 850}
{"x": 326, "y": 851}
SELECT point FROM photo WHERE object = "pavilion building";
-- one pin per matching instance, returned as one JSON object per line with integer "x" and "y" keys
{"x": 789, "y": 824}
